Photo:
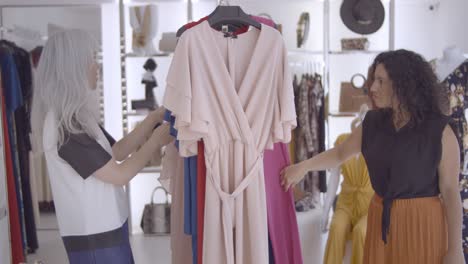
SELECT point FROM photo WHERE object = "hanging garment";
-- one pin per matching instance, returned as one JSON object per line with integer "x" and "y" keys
{"x": 456, "y": 85}
{"x": 201, "y": 187}
{"x": 189, "y": 191}
{"x": 44, "y": 190}
{"x": 13, "y": 101}
{"x": 173, "y": 170}
{"x": 350, "y": 216}
{"x": 39, "y": 166}
{"x": 192, "y": 226}
{"x": 406, "y": 222}
{"x": 317, "y": 95}
{"x": 22, "y": 132}
{"x": 309, "y": 101}
{"x": 143, "y": 20}
{"x": 235, "y": 131}
{"x": 282, "y": 222}
{"x": 190, "y": 201}
{"x": 17, "y": 249}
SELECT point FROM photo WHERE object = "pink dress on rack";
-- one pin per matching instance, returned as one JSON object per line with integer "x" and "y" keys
{"x": 282, "y": 221}
{"x": 236, "y": 95}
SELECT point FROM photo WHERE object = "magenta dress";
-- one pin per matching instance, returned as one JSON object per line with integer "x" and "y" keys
{"x": 282, "y": 222}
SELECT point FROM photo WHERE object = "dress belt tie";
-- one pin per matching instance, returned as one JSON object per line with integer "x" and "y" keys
{"x": 227, "y": 201}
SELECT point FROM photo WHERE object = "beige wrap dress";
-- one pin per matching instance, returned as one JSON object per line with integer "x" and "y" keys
{"x": 236, "y": 95}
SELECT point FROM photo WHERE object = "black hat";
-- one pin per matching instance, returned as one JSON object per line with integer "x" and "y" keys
{"x": 363, "y": 16}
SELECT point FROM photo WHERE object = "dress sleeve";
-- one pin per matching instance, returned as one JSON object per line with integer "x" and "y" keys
{"x": 108, "y": 136}
{"x": 285, "y": 110}
{"x": 184, "y": 102}
{"x": 83, "y": 154}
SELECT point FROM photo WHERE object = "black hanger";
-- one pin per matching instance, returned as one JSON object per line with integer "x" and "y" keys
{"x": 231, "y": 15}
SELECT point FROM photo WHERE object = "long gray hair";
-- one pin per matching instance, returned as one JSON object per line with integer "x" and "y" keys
{"x": 62, "y": 86}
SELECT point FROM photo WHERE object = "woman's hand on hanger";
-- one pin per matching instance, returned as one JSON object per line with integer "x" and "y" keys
{"x": 159, "y": 114}
{"x": 162, "y": 135}
{"x": 138, "y": 136}
{"x": 120, "y": 173}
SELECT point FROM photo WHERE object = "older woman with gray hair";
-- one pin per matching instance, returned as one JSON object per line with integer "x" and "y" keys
{"x": 82, "y": 158}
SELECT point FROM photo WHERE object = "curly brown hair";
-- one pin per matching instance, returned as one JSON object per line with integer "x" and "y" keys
{"x": 415, "y": 84}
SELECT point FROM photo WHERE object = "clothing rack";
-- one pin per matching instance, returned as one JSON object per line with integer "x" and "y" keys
{"x": 307, "y": 66}
{"x": 5, "y": 245}
{"x": 23, "y": 33}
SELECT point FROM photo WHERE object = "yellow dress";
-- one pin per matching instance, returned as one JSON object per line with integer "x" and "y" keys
{"x": 350, "y": 217}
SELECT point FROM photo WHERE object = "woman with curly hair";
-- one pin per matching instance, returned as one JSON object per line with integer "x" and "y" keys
{"x": 412, "y": 156}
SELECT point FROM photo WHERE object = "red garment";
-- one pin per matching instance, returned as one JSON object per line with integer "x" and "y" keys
{"x": 201, "y": 186}
{"x": 17, "y": 251}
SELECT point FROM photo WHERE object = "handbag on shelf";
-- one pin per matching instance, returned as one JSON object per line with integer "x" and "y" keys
{"x": 354, "y": 44}
{"x": 352, "y": 98}
{"x": 156, "y": 218}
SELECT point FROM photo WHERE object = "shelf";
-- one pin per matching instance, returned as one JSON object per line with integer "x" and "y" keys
{"x": 305, "y": 52}
{"x": 51, "y": 3}
{"x": 343, "y": 114}
{"x": 152, "y": 170}
{"x": 137, "y": 113}
{"x": 139, "y": 2}
{"x": 132, "y": 55}
{"x": 347, "y": 52}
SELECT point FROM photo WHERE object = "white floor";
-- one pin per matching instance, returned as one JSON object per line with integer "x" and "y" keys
{"x": 146, "y": 249}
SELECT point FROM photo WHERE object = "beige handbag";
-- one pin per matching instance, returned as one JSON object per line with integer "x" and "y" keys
{"x": 352, "y": 98}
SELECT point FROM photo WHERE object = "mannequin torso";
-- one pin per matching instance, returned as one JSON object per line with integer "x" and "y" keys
{"x": 451, "y": 59}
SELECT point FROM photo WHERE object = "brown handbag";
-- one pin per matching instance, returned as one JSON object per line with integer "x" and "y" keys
{"x": 352, "y": 98}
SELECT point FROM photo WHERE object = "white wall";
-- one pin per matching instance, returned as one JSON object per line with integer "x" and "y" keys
{"x": 37, "y": 18}
{"x": 429, "y": 32}
{"x": 287, "y": 14}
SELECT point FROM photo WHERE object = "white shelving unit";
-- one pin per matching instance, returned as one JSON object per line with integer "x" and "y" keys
{"x": 171, "y": 15}
{"x": 340, "y": 65}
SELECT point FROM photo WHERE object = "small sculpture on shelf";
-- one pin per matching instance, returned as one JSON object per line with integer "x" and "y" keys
{"x": 150, "y": 83}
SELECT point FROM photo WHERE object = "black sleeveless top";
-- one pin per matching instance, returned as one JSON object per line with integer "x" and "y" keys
{"x": 402, "y": 164}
